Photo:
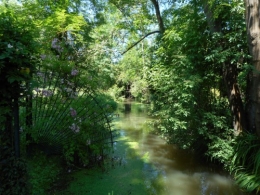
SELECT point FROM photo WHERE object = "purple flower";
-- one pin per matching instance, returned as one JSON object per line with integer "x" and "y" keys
{"x": 46, "y": 93}
{"x": 74, "y": 72}
{"x": 73, "y": 112}
{"x": 56, "y": 45}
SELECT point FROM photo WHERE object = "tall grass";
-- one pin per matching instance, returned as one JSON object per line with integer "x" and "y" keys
{"x": 246, "y": 162}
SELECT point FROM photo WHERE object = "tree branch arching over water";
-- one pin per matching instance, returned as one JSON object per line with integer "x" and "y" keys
{"x": 148, "y": 34}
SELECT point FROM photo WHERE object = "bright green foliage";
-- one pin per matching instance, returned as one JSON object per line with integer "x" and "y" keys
{"x": 132, "y": 72}
{"x": 111, "y": 39}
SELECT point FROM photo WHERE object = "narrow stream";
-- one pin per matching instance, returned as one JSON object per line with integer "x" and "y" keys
{"x": 166, "y": 170}
{"x": 141, "y": 163}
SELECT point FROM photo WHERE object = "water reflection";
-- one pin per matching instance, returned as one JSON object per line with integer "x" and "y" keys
{"x": 127, "y": 108}
{"x": 171, "y": 171}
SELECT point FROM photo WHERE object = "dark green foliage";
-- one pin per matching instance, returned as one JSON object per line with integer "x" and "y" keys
{"x": 17, "y": 48}
{"x": 13, "y": 177}
{"x": 106, "y": 101}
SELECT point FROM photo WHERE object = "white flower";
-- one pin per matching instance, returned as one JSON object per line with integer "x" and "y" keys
{"x": 9, "y": 46}
{"x": 74, "y": 128}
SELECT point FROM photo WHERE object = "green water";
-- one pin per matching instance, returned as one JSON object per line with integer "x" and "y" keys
{"x": 142, "y": 163}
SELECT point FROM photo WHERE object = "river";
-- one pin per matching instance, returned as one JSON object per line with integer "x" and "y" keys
{"x": 168, "y": 170}
{"x": 141, "y": 163}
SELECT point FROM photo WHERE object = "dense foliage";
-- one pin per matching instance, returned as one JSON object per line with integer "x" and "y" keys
{"x": 191, "y": 82}
{"x": 188, "y": 59}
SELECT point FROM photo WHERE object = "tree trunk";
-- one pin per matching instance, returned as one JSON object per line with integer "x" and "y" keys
{"x": 252, "y": 8}
{"x": 158, "y": 15}
{"x": 234, "y": 97}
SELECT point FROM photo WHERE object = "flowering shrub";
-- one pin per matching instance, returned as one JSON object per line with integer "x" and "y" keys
{"x": 68, "y": 115}
{"x": 59, "y": 112}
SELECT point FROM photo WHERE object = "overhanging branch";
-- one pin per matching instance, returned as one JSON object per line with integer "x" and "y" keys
{"x": 148, "y": 34}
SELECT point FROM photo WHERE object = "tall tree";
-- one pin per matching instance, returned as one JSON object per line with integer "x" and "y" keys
{"x": 252, "y": 8}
